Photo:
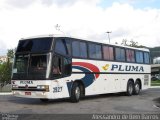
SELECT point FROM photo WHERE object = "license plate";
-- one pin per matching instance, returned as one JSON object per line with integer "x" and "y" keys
{"x": 27, "y": 93}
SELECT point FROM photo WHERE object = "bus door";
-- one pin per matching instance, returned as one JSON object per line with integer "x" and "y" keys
{"x": 61, "y": 68}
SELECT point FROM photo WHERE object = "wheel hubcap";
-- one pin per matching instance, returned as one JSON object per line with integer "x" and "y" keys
{"x": 130, "y": 89}
{"x": 77, "y": 92}
{"x": 137, "y": 88}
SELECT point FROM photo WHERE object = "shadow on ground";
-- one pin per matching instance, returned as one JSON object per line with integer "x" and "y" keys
{"x": 157, "y": 102}
{"x": 34, "y": 101}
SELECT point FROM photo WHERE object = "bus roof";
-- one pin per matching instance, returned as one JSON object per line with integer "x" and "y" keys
{"x": 89, "y": 40}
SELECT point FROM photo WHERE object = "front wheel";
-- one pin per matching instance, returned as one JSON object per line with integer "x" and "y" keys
{"x": 130, "y": 87}
{"x": 75, "y": 93}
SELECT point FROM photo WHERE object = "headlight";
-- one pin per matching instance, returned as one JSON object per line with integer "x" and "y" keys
{"x": 44, "y": 87}
{"x": 14, "y": 86}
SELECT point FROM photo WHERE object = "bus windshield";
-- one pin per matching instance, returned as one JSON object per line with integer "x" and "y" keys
{"x": 38, "y": 64}
{"x": 32, "y": 66}
{"x": 31, "y": 58}
{"x": 35, "y": 45}
{"x": 21, "y": 64}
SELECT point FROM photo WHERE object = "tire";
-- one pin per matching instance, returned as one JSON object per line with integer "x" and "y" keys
{"x": 137, "y": 88}
{"x": 130, "y": 88}
{"x": 75, "y": 93}
{"x": 44, "y": 100}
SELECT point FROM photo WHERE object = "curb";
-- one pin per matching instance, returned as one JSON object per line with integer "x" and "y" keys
{"x": 5, "y": 93}
{"x": 154, "y": 87}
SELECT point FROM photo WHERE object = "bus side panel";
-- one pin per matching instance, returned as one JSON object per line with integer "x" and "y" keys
{"x": 111, "y": 77}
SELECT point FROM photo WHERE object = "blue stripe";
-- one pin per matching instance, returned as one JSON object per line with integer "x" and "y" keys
{"x": 69, "y": 85}
{"x": 88, "y": 79}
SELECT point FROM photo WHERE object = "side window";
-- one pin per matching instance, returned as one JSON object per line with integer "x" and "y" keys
{"x": 139, "y": 57}
{"x": 120, "y": 54}
{"x": 130, "y": 55}
{"x": 146, "y": 58}
{"x": 95, "y": 51}
{"x": 56, "y": 66}
{"x": 61, "y": 66}
{"x": 79, "y": 49}
{"x": 83, "y": 50}
{"x": 108, "y": 53}
{"x": 63, "y": 47}
{"x": 75, "y": 49}
{"x": 92, "y": 51}
{"x": 67, "y": 66}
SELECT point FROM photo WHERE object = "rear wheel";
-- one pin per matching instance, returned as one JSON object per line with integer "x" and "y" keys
{"x": 130, "y": 87}
{"x": 136, "y": 88}
{"x": 75, "y": 93}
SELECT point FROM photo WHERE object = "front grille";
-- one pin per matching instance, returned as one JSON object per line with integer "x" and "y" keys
{"x": 23, "y": 88}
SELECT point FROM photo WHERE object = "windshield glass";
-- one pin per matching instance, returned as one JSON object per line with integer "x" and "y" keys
{"x": 32, "y": 66}
{"x": 38, "y": 64}
{"x": 35, "y": 45}
{"x": 21, "y": 63}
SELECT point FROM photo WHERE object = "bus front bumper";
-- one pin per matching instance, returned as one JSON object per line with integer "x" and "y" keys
{"x": 31, "y": 94}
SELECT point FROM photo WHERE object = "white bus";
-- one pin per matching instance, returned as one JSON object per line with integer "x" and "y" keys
{"x": 52, "y": 67}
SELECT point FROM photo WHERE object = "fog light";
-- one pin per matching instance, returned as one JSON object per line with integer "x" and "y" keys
{"x": 14, "y": 86}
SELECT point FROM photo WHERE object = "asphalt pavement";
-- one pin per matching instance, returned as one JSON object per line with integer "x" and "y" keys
{"x": 147, "y": 102}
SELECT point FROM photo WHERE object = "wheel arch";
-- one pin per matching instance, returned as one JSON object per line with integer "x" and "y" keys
{"x": 130, "y": 79}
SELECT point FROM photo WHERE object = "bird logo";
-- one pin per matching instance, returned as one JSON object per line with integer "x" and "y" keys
{"x": 105, "y": 67}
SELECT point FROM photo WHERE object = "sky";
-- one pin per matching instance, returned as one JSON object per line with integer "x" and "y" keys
{"x": 137, "y": 20}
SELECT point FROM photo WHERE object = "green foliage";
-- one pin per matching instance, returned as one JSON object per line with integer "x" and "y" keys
{"x": 5, "y": 72}
{"x": 131, "y": 43}
{"x": 10, "y": 53}
{"x": 155, "y": 83}
{"x": 6, "y": 67}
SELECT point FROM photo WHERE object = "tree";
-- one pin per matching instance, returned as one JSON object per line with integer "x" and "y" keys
{"x": 131, "y": 43}
{"x": 6, "y": 68}
{"x": 10, "y": 54}
{"x": 124, "y": 42}
{"x": 5, "y": 72}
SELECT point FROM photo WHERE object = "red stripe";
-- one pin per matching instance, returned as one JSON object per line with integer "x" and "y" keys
{"x": 90, "y": 66}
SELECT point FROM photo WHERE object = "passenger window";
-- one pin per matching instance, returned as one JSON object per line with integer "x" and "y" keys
{"x": 79, "y": 49}
{"x": 108, "y": 53}
{"x": 120, "y": 54}
{"x": 63, "y": 47}
{"x": 95, "y": 51}
{"x": 67, "y": 66}
{"x": 146, "y": 58}
{"x": 139, "y": 57}
{"x": 130, "y": 55}
{"x": 83, "y": 50}
{"x": 75, "y": 49}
